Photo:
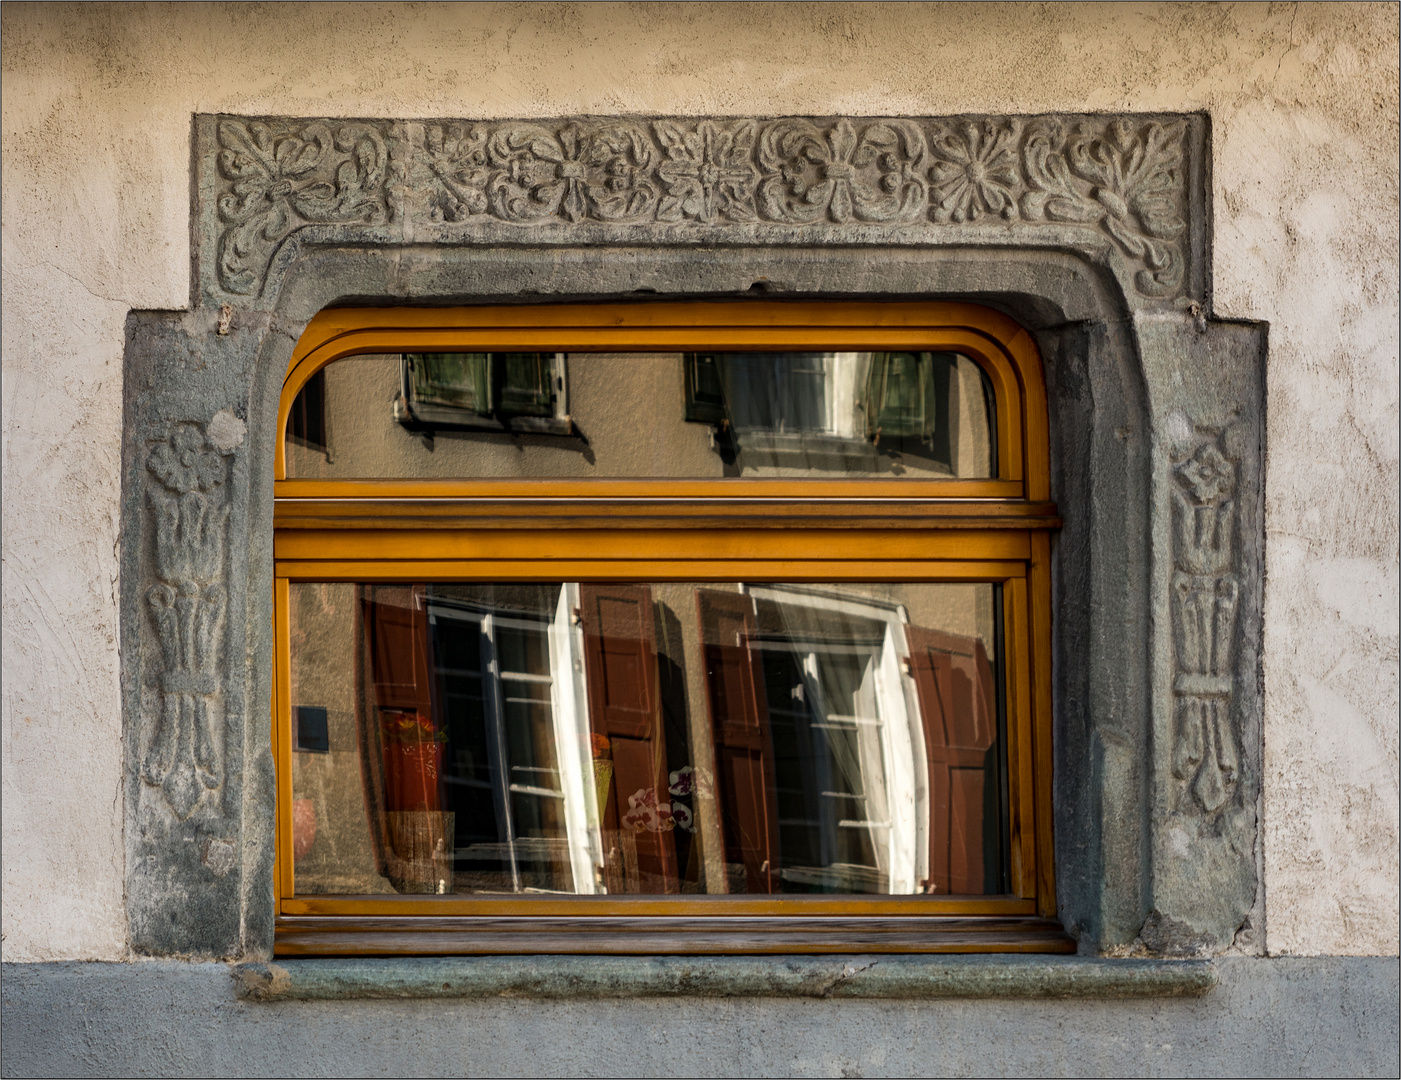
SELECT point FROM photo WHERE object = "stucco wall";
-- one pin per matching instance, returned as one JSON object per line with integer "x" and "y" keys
{"x": 1303, "y": 102}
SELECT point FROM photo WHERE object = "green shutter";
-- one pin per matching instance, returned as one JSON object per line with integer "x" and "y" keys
{"x": 486, "y": 384}
{"x": 705, "y": 394}
{"x": 455, "y": 380}
{"x": 900, "y": 396}
{"x": 523, "y": 381}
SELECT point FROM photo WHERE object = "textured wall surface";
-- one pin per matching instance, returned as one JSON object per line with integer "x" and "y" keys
{"x": 1297, "y": 1016}
{"x": 96, "y": 203}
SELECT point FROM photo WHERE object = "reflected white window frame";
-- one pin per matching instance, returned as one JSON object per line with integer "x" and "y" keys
{"x": 569, "y": 721}
{"x": 844, "y": 431}
{"x": 905, "y": 789}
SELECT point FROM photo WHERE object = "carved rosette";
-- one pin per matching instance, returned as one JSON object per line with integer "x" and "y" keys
{"x": 874, "y": 173}
{"x": 709, "y": 172}
{"x": 1121, "y": 177}
{"x": 1205, "y": 600}
{"x": 187, "y": 603}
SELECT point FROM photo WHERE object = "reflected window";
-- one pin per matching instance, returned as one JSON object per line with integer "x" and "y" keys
{"x": 541, "y": 415}
{"x": 306, "y": 426}
{"x": 844, "y": 412}
{"x": 484, "y": 392}
{"x": 626, "y": 738}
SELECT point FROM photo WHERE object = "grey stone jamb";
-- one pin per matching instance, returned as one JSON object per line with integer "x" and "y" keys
{"x": 1156, "y": 421}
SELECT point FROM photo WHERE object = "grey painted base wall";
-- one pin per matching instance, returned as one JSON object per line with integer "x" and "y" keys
{"x": 1331, "y": 1016}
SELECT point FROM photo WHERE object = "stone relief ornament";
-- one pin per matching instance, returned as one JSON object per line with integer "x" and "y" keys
{"x": 604, "y": 174}
{"x": 187, "y": 603}
{"x": 1125, "y": 178}
{"x": 872, "y": 173}
{"x": 1205, "y": 599}
{"x": 457, "y": 162}
{"x": 975, "y": 171}
{"x": 279, "y": 177}
{"x": 1122, "y": 178}
{"x": 709, "y": 173}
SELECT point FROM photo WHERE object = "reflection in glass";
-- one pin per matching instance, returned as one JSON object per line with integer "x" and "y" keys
{"x": 609, "y": 738}
{"x": 483, "y": 392}
{"x": 693, "y": 415}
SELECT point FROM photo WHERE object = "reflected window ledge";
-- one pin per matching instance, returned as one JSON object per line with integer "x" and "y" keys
{"x": 855, "y": 976}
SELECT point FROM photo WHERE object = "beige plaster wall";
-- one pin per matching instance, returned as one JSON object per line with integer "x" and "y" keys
{"x": 1303, "y": 100}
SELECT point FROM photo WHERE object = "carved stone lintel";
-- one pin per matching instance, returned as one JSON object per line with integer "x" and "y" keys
{"x": 1122, "y": 180}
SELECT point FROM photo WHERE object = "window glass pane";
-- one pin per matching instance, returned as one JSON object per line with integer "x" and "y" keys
{"x": 621, "y": 415}
{"x": 629, "y": 738}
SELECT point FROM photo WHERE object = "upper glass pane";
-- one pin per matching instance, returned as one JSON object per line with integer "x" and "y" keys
{"x": 641, "y": 415}
{"x": 615, "y": 738}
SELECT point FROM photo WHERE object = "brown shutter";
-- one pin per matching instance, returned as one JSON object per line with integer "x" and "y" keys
{"x": 397, "y": 619}
{"x": 621, "y": 656}
{"x": 744, "y": 763}
{"x": 954, "y": 680}
{"x": 403, "y": 786}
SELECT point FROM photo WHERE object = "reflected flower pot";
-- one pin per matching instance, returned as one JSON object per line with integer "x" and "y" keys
{"x": 413, "y": 762}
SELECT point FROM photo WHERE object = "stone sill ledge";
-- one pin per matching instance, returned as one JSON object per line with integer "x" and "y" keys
{"x": 903, "y": 976}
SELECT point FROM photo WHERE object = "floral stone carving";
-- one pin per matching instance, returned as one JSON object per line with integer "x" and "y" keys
{"x": 1205, "y": 599}
{"x": 280, "y": 176}
{"x": 187, "y": 603}
{"x": 1119, "y": 178}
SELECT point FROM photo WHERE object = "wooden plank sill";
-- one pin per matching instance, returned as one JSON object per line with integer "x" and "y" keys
{"x": 691, "y": 935}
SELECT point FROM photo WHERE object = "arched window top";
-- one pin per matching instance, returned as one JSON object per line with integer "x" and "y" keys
{"x": 803, "y": 397}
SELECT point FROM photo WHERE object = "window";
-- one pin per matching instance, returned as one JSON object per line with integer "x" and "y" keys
{"x": 664, "y": 628}
{"x": 484, "y": 392}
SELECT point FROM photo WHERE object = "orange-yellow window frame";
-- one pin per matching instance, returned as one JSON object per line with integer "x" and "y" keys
{"x": 995, "y": 529}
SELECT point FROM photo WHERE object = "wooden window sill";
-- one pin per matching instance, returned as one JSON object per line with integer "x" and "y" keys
{"x": 684, "y": 935}
{"x": 861, "y": 976}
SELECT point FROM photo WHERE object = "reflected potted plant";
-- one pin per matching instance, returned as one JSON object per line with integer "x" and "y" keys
{"x": 419, "y": 833}
{"x": 413, "y": 761}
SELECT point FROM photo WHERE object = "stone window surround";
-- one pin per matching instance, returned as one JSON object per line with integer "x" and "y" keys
{"x": 1091, "y": 231}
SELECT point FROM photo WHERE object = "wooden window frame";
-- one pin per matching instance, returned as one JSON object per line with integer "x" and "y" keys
{"x": 760, "y": 530}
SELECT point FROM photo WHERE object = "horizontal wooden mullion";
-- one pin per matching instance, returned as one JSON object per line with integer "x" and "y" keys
{"x": 613, "y": 545}
{"x": 642, "y": 514}
{"x": 733, "y": 488}
{"x": 640, "y": 570}
{"x": 570, "y": 519}
{"x": 628, "y": 908}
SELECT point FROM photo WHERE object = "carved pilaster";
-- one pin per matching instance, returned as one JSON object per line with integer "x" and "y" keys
{"x": 1205, "y": 599}
{"x": 184, "y": 758}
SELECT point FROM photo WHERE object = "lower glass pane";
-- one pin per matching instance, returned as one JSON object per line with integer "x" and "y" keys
{"x": 627, "y": 738}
